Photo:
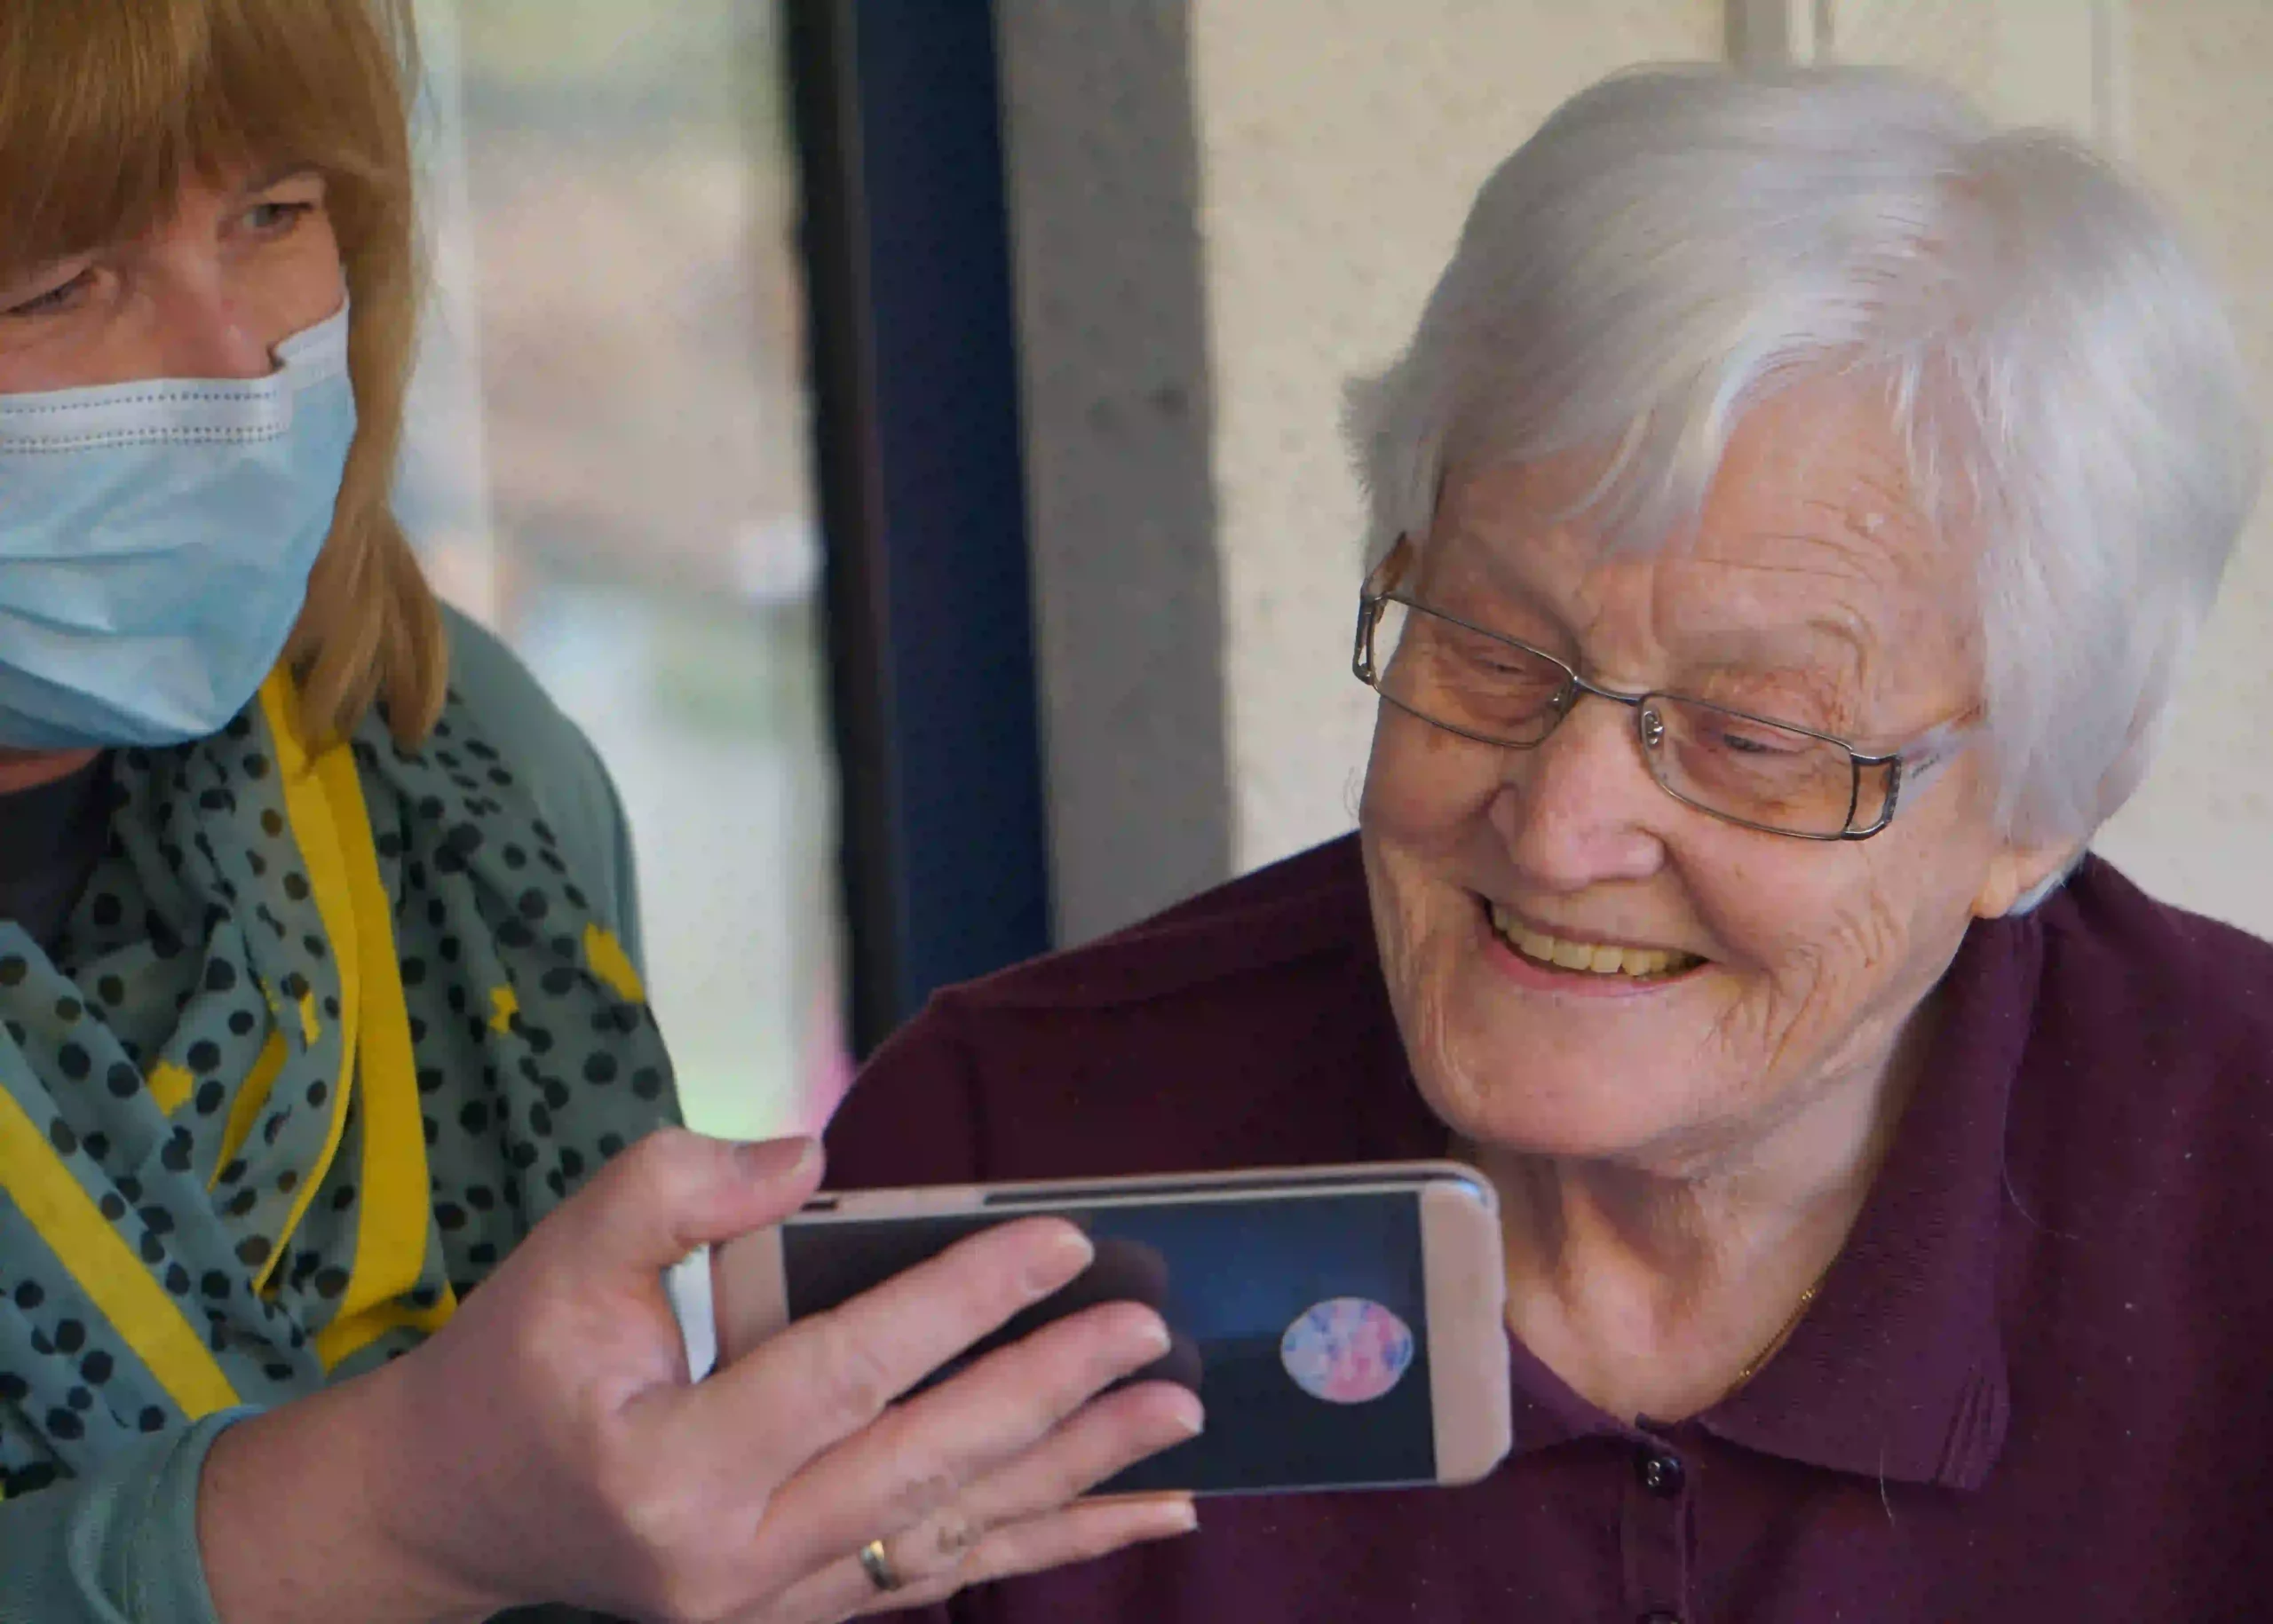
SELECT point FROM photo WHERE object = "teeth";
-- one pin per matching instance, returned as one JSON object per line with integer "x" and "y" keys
{"x": 1597, "y": 958}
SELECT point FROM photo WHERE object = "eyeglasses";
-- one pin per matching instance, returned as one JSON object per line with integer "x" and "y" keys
{"x": 1744, "y": 769}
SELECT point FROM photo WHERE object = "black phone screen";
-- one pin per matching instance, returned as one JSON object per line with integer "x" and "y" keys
{"x": 1301, "y": 1321}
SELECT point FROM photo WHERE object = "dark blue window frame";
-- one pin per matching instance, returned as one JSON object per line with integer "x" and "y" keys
{"x": 920, "y": 488}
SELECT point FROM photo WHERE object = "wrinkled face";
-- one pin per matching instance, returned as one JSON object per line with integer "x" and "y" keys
{"x": 1812, "y": 593}
{"x": 246, "y": 260}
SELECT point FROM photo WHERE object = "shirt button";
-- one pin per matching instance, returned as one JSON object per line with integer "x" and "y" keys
{"x": 1662, "y": 1473}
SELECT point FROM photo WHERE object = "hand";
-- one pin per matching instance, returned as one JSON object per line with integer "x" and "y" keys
{"x": 546, "y": 1445}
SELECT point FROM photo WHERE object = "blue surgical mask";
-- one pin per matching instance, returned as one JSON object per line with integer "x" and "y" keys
{"x": 156, "y": 539}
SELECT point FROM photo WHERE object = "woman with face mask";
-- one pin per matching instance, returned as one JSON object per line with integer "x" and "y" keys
{"x": 320, "y": 1005}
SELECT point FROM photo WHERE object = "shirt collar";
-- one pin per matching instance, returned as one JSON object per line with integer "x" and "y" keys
{"x": 1898, "y": 1371}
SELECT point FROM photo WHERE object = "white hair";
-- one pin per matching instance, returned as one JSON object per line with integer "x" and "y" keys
{"x": 1677, "y": 243}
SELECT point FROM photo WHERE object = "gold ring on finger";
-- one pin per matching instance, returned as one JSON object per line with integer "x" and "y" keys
{"x": 878, "y": 1567}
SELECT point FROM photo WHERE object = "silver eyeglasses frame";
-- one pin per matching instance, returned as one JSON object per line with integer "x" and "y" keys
{"x": 1913, "y": 763}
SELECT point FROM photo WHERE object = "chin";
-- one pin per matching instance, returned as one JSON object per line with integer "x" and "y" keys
{"x": 1517, "y": 1063}
{"x": 1641, "y": 1120}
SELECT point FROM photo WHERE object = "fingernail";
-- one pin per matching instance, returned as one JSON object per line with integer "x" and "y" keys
{"x": 1185, "y": 1518}
{"x": 1151, "y": 1340}
{"x": 762, "y": 1161}
{"x": 1068, "y": 1253}
{"x": 1194, "y": 1420}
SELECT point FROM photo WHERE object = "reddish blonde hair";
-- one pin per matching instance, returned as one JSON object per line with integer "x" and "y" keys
{"x": 105, "y": 110}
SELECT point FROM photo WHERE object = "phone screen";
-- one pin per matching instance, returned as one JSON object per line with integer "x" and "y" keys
{"x": 1301, "y": 1321}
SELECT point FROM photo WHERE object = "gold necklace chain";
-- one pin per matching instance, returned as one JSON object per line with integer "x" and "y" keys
{"x": 1463, "y": 1148}
{"x": 1783, "y": 1333}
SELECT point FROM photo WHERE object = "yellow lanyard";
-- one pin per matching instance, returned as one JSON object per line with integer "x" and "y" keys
{"x": 323, "y": 798}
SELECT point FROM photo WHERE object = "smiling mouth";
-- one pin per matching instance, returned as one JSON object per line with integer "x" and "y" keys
{"x": 1588, "y": 958}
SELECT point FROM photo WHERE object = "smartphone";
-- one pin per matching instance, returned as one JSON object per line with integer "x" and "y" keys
{"x": 1343, "y": 1326}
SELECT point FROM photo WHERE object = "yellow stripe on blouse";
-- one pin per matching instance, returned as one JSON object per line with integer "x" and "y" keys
{"x": 110, "y": 1272}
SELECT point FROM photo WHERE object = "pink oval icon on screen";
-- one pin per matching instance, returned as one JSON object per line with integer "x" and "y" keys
{"x": 1347, "y": 1351}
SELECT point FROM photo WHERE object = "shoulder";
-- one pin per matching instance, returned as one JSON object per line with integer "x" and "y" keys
{"x": 2135, "y": 1264}
{"x": 2149, "y": 1061}
{"x": 1245, "y": 1026}
{"x": 2181, "y": 989}
{"x": 505, "y": 701}
{"x": 552, "y": 758}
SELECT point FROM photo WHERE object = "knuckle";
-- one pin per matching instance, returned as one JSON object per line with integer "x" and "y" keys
{"x": 955, "y": 1535}
{"x": 851, "y": 1377}
{"x": 1000, "y": 1554}
{"x": 677, "y": 1580}
{"x": 649, "y": 1169}
{"x": 928, "y": 1488}
{"x": 669, "y": 1531}
{"x": 653, "y": 1518}
{"x": 659, "y": 1514}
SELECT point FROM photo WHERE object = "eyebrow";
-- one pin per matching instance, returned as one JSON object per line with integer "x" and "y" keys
{"x": 276, "y": 175}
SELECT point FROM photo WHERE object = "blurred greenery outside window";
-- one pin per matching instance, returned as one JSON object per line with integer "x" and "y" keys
{"x": 607, "y": 464}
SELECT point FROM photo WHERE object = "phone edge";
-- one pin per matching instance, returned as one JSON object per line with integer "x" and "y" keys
{"x": 1466, "y": 1289}
{"x": 944, "y": 1200}
{"x": 751, "y": 1287}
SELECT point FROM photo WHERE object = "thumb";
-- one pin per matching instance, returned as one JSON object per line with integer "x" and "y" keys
{"x": 676, "y": 1190}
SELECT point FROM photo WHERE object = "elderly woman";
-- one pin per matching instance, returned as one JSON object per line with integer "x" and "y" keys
{"x": 1792, "y": 512}
{"x": 319, "y": 1008}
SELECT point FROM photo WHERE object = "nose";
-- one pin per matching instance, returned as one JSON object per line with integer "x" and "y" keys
{"x": 204, "y": 327}
{"x": 209, "y": 338}
{"x": 1580, "y": 808}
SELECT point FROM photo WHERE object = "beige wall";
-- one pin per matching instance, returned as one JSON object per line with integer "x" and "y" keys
{"x": 2201, "y": 114}
{"x": 1340, "y": 144}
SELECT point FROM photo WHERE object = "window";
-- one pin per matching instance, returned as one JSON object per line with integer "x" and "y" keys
{"x": 608, "y": 464}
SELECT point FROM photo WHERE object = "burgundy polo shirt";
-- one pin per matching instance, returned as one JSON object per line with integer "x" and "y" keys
{"x": 2037, "y": 1383}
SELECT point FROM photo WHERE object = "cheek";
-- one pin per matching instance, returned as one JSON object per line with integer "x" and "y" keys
{"x": 1766, "y": 908}
{"x": 301, "y": 285}
{"x": 1839, "y": 940}
{"x": 1854, "y": 905}
{"x": 1423, "y": 786}
{"x": 1801, "y": 923}
{"x": 1422, "y": 806}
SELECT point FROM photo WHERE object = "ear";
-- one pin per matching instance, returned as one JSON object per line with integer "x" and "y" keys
{"x": 2018, "y": 875}
{"x": 1386, "y": 575}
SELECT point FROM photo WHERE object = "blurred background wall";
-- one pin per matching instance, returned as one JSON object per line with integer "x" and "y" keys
{"x": 2200, "y": 111}
{"x": 1188, "y": 460}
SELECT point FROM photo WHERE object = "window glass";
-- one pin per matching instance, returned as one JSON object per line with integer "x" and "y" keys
{"x": 607, "y": 464}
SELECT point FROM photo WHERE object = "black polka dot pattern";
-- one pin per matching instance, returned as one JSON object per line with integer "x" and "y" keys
{"x": 202, "y": 941}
